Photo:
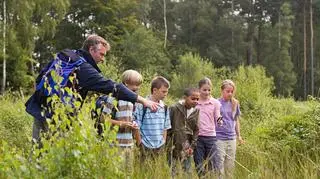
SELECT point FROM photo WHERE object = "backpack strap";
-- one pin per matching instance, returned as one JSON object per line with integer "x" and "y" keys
{"x": 144, "y": 110}
{"x": 69, "y": 55}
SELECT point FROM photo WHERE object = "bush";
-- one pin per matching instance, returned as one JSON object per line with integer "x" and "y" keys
{"x": 15, "y": 123}
{"x": 141, "y": 49}
{"x": 70, "y": 152}
{"x": 298, "y": 132}
{"x": 286, "y": 146}
{"x": 191, "y": 69}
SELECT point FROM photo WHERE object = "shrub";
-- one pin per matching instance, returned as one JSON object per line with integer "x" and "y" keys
{"x": 69, "y": 152}
{"x": 15, "y": 123}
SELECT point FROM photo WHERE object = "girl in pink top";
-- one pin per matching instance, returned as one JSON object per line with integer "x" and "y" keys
{"x": 206, "y": 149}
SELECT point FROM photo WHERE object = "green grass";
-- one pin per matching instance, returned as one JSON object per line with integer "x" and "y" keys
{"x": 282, "y": 141}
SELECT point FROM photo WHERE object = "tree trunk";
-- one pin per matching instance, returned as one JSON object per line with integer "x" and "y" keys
{"x": 304, "y": 52}
{"x": 165, "y": 23}
{"x": 4, "y": 73}
{"x": 250, "y": 44}
{"x": 279, "y": 29}
{"x": 259, "y": 44}
{"x": 232, "y": 33}
{"x": 250, "y": 35}
{"x": 311, "y": 49}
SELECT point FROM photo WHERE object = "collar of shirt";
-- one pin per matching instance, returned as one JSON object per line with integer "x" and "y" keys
{"x": 223, "y": 100}
{"x": 209, "y": 101}
{"x": 89, "y": 59}
{"x": 182, "y": 103}
{"x": 161, "y": 103}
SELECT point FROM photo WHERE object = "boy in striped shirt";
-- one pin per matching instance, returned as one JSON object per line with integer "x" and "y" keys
{"x": 124, "y": 119}
{"x": 153, "y": 125}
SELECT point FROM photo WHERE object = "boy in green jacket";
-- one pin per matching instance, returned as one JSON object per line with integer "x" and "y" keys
{"x": 182, "y": 136}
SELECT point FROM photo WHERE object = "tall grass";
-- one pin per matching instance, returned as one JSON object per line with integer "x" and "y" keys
{"x": 282, "y": 139}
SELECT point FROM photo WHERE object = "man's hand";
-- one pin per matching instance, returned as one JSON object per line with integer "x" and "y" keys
{"x": 152, "y": 105}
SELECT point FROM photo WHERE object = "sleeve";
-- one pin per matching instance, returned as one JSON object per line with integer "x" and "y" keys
{"x": 238, "y": 112}
{"x": 194, "y": 137}
{"x": 217, "y": 112}
{"x": 167, "y": 122}
{"x": 138, "y": 114}
{"x": 171, "y": 114}
{"x": 108, "y": 106}
{"x": 90, "y": 79}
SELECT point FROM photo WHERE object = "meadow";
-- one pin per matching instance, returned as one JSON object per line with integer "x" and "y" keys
{"x": 281, "y": 134}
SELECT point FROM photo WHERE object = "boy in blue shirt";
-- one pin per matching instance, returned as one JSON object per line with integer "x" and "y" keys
{"x": 153, "y": 125}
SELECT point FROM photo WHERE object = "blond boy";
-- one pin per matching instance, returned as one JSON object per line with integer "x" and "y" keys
{"x": 123, "y": 118}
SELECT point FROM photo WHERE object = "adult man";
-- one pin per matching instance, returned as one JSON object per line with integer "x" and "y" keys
{"x": 89, "y": 79}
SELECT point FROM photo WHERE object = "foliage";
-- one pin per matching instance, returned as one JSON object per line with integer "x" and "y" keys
{"x": 277, "y": 59}
{"x": 15, "y": 124}
{"x": 72, "y": 149}
{"x": 283, "y": 143}
{"x": 142, "y": 50}
{"x": 190, "y": 69}
{"x": 217, "y": 39}
{"x": 26, "y": 22}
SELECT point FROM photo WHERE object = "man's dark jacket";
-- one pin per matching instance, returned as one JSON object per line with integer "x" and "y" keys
{"x": 89, "y": 79}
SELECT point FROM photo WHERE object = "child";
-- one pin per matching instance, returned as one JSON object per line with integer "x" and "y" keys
{"x": 153, "y": 125}
{"x": 206, "y": 144}
{"x": 182, "y": 137}
{"x": 227, "y": 133}
{"x": 124, "y": 119}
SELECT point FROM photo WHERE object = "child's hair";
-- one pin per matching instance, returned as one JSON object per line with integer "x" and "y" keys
{"x": 188, "y": 91}
{"x": 131, "y": 77}
{"x": 159, "y": 81}
{"x": 233, "y": 100}
{"x": 204, "y": 81}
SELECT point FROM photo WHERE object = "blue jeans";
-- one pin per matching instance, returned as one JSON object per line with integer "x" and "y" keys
{"x": 205, "y": 154}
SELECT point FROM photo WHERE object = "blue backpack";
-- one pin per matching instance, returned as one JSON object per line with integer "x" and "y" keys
{"x": 63, "y": 67}
{"x": 57, "y": 78}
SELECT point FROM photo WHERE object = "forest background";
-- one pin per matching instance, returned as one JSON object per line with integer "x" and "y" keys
{"x": 270, "y": 48}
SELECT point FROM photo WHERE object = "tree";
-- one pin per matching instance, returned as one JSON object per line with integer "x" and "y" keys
{"x": 213, "y": 28}
{"x": 110, "y": 19}
{"x": 142, "y": 50}
{"x": 4, "y": 73}
{"x": 311, "y": 48}
{"x": 27, "y": 21}
{"x": 190, "y": 70}
{"x": 304, "y": 51}
{"x": 277, "y": 59}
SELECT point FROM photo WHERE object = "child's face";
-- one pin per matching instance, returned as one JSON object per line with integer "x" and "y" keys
{"x": 192, "y": 100}
{"x": 160, "y": 93}
{"x": 205, "y": 91}
{"x": 227, "y": 92}
{"x": 133, "y": 87}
